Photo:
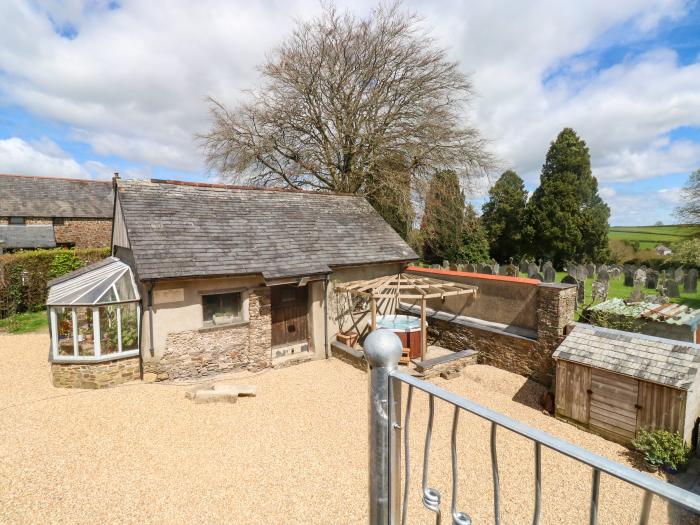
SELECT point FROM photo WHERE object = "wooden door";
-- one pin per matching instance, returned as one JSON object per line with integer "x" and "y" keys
{"x": 613, "y": 403}
{"x": 289, "y": 305}
{"x": 660, "y": 407}
{"x": 573, "y": 383}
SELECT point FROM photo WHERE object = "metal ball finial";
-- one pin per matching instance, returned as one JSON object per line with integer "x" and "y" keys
{"x": 383, "y": 348}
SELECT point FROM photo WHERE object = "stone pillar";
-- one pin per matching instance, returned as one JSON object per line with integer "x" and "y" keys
{"x": 556, "y": 307}
{"x": 260, "y": 312}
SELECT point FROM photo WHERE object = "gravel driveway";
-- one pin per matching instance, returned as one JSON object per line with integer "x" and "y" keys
{"x": 142, "y": 453}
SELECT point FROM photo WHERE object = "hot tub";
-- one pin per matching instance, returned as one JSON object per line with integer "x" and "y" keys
{"x": 406, "y": 327}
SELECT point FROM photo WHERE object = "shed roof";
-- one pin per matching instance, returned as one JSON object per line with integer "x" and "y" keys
{"x": 192, "y": 230}
{"x": 15, "y": 236}
{"x": 669, "y": 313}
{"x": 654, "y": 359}
{"x": 25, "y": 196}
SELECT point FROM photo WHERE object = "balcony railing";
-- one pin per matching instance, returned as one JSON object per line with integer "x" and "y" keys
{"x": 383, "y": 350}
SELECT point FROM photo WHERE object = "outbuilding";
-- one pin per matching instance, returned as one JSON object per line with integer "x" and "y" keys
{"x": 615, "y": 383}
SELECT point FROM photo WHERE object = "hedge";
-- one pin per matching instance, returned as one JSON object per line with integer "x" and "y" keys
{"x": 23, "y": 275}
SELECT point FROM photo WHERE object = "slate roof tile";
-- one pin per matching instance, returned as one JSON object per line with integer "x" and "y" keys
{"x": 188, "y": 230}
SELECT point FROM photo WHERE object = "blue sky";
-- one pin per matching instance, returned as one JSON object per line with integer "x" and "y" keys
{"x": 89, "y": 88}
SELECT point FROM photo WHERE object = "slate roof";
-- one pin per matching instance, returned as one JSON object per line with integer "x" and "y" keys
{"x": 669, "y": 313}
{"x": 15, "y": 236}
{"x": 189, "y": 230}
{"x": 24, "y": 196}
{"x": 654, "y": 359}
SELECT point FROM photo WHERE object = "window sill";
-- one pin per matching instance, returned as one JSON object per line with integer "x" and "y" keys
{"x": 216, "y": 327}
{"x": 92, "y": 359}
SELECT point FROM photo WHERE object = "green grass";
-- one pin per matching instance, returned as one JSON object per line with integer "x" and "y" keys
{"x": 24, "y": 323}
{"x": 651, "y": 236}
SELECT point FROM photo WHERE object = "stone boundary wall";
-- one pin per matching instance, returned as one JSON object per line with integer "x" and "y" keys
{"x": 209, "y": 351}
{"x": 95, "y": 375}
{"x": 81, "y": 232}
{"x": 532, "y": 358}
{"x": 349, "y": 355}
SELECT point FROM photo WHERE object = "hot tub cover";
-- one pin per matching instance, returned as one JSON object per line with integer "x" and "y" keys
{"x": 107, "y": 281}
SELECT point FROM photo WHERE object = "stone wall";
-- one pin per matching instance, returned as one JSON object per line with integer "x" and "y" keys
{"x": 528, "y": 357}
{"x": 95, "y": 375}
{"x": 209, "y": 351}
{"x": 82, "y": 233}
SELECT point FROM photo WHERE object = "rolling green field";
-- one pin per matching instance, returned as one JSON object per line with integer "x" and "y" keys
{"x": 650, "y": 236}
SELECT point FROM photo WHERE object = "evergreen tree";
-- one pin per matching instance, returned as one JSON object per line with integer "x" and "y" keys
{"x": 502, "y": 216}
{"x": 474, "y": 244}
{"x": 565, "y": 219}
{"x": 441, "y": 226}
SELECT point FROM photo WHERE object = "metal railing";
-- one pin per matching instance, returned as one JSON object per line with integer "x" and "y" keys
{"x": 383, "y": 350}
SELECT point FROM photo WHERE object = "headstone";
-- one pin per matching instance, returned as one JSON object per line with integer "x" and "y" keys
{"x": 581, "y": 273}
{"x": 532, "y": 270}
{"x": 615, "y": 273}
{"x": 512, "y": 270}
{"x": 496, "y": 269}
{"x": 502, "y": 270}
{"x": 486, "y": 269}
{"x": 590, "y": 270}
{"x": 453, "y": 267}
{"x": 640, "y": 278}
{"x": 603, "y": 275}
{"x": 446, "y": 265}
{"x": 678, "y": 275}
{"x": 672, "y": 288}
{"x": 580, "y": 289}
{"x": 629, "y": 278}
{"x": 603, "y": 268}
{"x": 599, "y": 290}
{"x": 435, "y": 266}
{"x": 546, "y": 265}
{"x": 690, "y": 283}
{"x": 537, "y": 276}
{"x": 471, "y": 268}
{"x": 652, "y": 279}
{"x": 523, "y": 266}
{"x": 549, "y": 274}
{"x": 460, "y": 267}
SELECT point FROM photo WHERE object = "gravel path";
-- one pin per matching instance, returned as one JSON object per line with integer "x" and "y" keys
{"x": 142, "y": 453}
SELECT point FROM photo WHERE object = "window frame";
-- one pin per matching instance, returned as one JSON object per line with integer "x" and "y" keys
{"x": 242, "y": 316}
{"x": 17, "y": 221}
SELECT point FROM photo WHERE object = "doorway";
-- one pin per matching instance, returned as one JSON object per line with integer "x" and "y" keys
{"x": 289, "y": 305}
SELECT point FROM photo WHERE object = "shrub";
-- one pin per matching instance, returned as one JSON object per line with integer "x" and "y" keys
{"x": 662, "y": 448}
{"x": 24, "y": 275}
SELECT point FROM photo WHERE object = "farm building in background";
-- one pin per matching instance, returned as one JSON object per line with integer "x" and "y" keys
{"x": 49, "y": 212}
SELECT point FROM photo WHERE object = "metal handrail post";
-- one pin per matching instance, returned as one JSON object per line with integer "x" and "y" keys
{"x": 383, "y": 350}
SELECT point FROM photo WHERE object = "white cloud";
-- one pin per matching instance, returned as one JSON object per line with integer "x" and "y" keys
{"x": 133, "y": 82}
{"x": 19, "y": 156}
{"x": 640, "y": 208}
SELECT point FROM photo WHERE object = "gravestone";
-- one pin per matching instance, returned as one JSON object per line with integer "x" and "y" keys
{"x": 496, "y": 268}
{"x": 615, "y": 273}
{"x": 512, "y": 270}
{"x": 599, "y": 290}
{"x": 486, "y": 269}
{"x": 629, "y": 278}
{"x": 537, "y": 276}
{"x": 652, "y": 279}
{"x": 549, "y": 274}
{"x": 546, "y": 265}
{"x": 590, "y": 270}
{"x": 523, "y": 266}
{"x": 445, "y": 265}
{"x": 532, "y": 270}
{"x": 502, "y": 270}
{"x": 678, "y": 275}
{"x": 581, "y": 273}
{"x": 690, "y": 283}
{"x": 672, "y": 288}
{"x": 435, "y": 266}
{"x": 603, "y": 275}
{"x": 580, "y": 288}
{"x": 471, "y": 268}
{"x": 460, "y": 267}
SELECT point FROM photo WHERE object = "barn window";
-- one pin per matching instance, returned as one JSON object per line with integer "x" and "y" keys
{"x": 221, "y": 308}
{"x": 16, "y": 220}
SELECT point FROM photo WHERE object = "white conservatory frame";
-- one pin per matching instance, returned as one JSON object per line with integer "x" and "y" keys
{"x": 108, "y": 283}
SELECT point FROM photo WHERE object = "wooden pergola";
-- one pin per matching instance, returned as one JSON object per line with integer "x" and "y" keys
{"x": 392, "y": 289}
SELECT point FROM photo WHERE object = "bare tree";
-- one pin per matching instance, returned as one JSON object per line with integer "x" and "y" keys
{"x": 344, "y": 101}
{"x": 689, "y": 211}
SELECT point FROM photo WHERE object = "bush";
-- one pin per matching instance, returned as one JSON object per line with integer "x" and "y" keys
{"x": 24, "y": 275}
{"x": 662, "y": 448}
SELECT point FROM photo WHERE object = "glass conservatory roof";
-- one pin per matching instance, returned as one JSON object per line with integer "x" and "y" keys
{"x": 108, "y": 281}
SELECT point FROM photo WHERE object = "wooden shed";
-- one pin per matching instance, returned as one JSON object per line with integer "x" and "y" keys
{"x": 615, "y": 383}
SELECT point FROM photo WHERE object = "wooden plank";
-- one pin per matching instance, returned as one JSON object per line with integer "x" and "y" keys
{"x": 627, "y": 423}
{"x": 614, "y": 429}
{"x": 662, "y": 407}
{"x": 612, "y": 403}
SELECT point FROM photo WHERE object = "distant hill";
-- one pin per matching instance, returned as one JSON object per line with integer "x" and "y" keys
{"x": 651, "y": 236}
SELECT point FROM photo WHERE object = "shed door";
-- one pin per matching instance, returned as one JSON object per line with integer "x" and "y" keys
{"x": 289, "y": 305}
{"x": 661, "y": 407}
{"x": 573, "y": 382}
{"x": 613, "y": 405}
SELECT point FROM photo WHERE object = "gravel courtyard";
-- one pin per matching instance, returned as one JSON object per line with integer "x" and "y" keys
{"x": 142, "y": 453}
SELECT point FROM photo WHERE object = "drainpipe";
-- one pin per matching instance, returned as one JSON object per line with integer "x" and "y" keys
{"x": 325, "y": 315}
{"x": 150, "y": 318}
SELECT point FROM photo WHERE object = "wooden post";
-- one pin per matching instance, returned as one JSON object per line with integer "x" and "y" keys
{"x": 423, "y": 330}
{"x": 374, "y": 314}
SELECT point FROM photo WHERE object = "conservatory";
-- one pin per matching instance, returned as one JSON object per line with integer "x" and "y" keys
{"x": 94, "y": 314}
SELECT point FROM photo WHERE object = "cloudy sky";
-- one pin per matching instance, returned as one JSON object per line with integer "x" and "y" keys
{"x": 92, "y": 87}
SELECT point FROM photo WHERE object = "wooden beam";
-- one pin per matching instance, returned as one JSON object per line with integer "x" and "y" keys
{"x": 374, "y": 313}
{"x": 423, "y": 331}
